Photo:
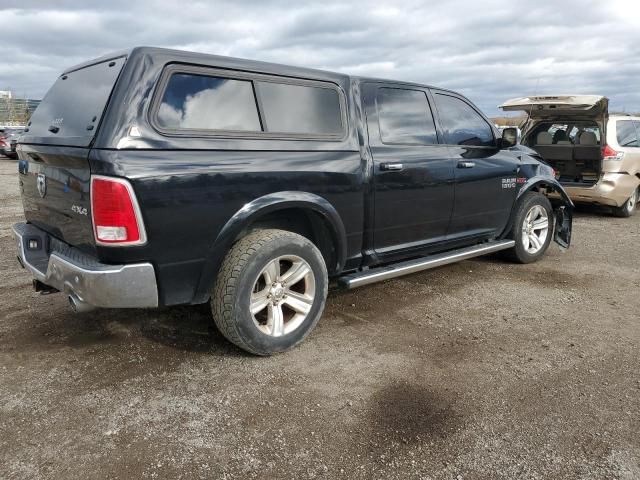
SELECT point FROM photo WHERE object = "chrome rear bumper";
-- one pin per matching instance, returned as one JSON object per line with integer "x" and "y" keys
{"x": 81, "y": 276}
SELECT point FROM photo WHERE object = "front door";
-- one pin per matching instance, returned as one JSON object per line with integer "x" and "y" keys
{"x": 485, "y": 176}
{"x": 413, "y": 173}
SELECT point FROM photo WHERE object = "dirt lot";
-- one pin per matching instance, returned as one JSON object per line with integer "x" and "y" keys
{"x": 478, "y": 370}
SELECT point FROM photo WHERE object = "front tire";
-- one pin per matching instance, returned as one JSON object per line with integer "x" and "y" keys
{"x": 270, "y": 291}
{"x": 532, "y": 228}
{"x": 629, "y": 207}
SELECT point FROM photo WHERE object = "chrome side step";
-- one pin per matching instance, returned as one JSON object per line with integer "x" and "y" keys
{"x": 425, "y": 263}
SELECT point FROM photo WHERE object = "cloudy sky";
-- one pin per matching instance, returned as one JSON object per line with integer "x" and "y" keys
{"x": 488, "y": 50}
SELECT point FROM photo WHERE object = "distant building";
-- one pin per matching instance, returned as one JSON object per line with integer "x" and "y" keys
{"x": 15, "y": 111}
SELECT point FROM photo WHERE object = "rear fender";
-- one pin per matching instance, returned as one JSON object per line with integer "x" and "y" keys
{"x": 258, "y": 208}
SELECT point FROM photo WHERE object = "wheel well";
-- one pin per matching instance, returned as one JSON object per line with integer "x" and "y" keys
{"x": 540, "y": 187}
{"x": 544, "y": 188}
{"x": 305, "y": 222}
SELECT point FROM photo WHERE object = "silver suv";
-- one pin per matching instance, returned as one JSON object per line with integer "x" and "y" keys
{"x": 596, "y": 156}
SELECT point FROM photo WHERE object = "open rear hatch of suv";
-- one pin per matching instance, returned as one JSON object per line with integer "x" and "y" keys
{"x": 568, "y": 131}
{"x": 54, "y": 167}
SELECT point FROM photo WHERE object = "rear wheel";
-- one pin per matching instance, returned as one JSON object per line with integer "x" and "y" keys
{"x": 629, "y": 207}
{"x": 532, "y": 228}
{"x": 270, "y": 291}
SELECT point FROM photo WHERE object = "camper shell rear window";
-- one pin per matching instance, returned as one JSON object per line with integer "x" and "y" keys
{"x": 72, "y": 109}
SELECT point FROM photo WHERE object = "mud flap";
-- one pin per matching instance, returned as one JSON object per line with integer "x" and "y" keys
{"x": 564, "y": 223}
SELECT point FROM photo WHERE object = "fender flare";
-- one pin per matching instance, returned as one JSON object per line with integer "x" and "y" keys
{"x": 257, "y": 208}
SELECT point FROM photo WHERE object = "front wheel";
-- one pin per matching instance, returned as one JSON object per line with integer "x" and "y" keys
{"x": 532, "y": 228}
{"x": 629, "y": 207}
{"x": 270, "y": 291}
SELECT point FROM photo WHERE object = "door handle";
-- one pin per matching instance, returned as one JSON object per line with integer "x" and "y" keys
{"x": 390, "y": 166}
{"x": 466, "y": 164}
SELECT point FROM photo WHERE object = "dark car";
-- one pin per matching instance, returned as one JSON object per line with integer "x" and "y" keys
{"x": 8, "y": 141}
{"x": 155, "y": 177}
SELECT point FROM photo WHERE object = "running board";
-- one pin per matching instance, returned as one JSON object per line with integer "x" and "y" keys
{"x": 378, "y": 274}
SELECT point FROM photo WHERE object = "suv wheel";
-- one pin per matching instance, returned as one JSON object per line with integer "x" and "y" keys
{"x": 532, "y": 228}
{"x": 270, "y": 291}
{"x": 629, "y": 207}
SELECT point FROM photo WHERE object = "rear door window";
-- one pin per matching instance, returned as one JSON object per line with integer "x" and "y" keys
{"x": 461, "y": 124}
{"x": 405, "y": 117}
{"x": 71, "y": 110}
{"x": 626, "y": 133}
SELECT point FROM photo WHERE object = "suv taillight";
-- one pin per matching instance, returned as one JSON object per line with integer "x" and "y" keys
{"x": 116, "y": 215}
{"x": 609, "y": 153}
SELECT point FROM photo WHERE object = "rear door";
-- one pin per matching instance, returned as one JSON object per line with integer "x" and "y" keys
{"x": 485, "y": 176}
{"x": 413, "y": 174}
{"x": 54, "y": 168}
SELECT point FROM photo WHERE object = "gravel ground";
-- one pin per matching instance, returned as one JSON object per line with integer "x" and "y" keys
{"x": 482, "y": 369}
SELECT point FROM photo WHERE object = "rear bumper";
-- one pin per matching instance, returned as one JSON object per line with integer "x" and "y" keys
{"x": 613, "y": 189}
{"x": 75, "y": 273}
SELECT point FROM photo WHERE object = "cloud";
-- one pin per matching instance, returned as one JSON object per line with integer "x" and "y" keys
{"x": 490, "y": 50}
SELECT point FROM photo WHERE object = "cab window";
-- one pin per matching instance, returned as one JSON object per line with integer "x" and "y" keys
{"x": 461, "y": 124}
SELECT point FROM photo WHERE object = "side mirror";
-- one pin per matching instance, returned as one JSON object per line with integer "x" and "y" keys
{"x": 509, "y": 137}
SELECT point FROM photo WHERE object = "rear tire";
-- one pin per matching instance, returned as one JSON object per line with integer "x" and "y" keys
{"x": 629, "y": 207}
{"x": 270, "y": 291}
{"x": 532, "y": 228}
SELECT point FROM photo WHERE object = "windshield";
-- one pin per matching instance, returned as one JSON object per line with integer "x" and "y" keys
{"x": 71, "y": 110}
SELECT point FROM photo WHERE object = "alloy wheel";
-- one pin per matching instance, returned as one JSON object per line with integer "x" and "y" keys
{"x": 535, "y": 229}
{"x": 282, "y": 295}
{"x": 633, "y": 200}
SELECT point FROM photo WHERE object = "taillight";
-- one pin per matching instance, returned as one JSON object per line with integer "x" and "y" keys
{"x": 116, "y": 215}
{"x": 609, "y": 153}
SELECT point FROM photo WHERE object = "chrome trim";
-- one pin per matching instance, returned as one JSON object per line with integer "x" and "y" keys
{"x": 136, "y": 210}
{"x": 96, "y": 284}
{"x": 405, "y": 268}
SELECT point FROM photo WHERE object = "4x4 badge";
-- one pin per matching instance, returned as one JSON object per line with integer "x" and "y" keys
{"x": 42, "y": 185}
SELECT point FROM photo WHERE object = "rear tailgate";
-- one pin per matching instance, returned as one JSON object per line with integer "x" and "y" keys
{"x": 54, "y": 167}
{"x": 545, "y": 106}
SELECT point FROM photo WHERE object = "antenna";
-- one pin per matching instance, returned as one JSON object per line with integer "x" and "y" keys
{"x": 535, "y": 93}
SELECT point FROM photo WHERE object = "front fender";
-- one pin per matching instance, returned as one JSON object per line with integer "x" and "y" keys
{"x": 257, "y": 208}
{"x": 562, "y": 207}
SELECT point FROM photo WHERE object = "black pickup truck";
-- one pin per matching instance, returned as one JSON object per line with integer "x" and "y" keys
{"x": 155, "y": 177}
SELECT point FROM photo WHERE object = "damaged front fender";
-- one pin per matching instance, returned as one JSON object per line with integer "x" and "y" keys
{"x": 564, "y": 223}
{"x": 561, "y": 203}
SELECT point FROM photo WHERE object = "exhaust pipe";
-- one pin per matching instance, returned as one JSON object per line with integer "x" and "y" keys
{"x": 78, "y": 306}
